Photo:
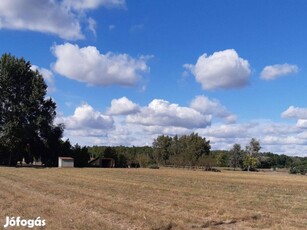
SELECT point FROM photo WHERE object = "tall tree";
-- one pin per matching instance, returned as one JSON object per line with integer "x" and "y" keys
{"x": 26, "y": 115}
{"x": 252, "y": 150}
{"x": 236, "y": 156}
{"x": 162, "y": 148}
{"x": 194, "y": 148}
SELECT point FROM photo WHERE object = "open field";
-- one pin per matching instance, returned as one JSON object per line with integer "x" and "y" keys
{"x": 154, "y": 199}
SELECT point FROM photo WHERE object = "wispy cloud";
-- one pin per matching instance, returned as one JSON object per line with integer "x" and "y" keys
{"x": 272, "y": 72}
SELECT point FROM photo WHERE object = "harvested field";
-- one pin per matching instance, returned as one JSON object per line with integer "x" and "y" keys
{"x": 154, "y": 199}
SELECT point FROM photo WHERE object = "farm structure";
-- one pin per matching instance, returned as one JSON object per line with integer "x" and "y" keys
{"x": 101, "y": 162}
{"x": 66, "y": 162}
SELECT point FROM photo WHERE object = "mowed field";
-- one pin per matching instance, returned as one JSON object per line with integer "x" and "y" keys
{"x": 91, "y": 198}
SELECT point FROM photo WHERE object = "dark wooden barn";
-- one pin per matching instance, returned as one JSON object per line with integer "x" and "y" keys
{"x": 102, "y": 162}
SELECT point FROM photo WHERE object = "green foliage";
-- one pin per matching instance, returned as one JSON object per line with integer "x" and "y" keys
{"x": 26, "y": 116}
{"x": 253, "y": 148}
{"x": 162, "y": 148}
{"x": 236, "y": 156}
{"x": 271, "y": 160}
{"x": 249, "y": 163}
{"x": 186, "y": 150}
{"x": 252, "y": 151}
{"x": 301, "y": 169}
{"x": 222, "y": 159}
{"x": 180, "y": 155}
{"x": 80, "y": 155}
{"x": 125, "y": 156}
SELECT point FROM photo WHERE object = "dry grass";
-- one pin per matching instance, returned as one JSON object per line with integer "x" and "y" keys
{"x": 154, "y": 199}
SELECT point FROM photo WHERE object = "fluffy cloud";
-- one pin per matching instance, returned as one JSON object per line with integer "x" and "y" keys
{"x": 48, "y": 77}
{"x": 88, "y": 127}
{"x": 295, "y": 112}
{"x": 123, "y": 106}
{"x": 90, "y": 66}
{"x": 61, "y": 18}
{"x": 224, "y": 69}
{"x": 206, "y": 106}
{"x": 164, "y": 114}
{"x": 43, "y": 16}
{"x": 275, "y": 71}
{"x": 298, "y": 113}
{"x": 302, "y": 123}
{"x": 86, "y": 120}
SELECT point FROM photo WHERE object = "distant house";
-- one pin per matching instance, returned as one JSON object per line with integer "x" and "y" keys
{"x": 66, "y": 162}
{"x": 102, "y": 162}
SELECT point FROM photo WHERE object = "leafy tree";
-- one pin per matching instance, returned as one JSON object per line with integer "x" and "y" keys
{"x": 195, "y": 147}
{"x": 161, "y": 147}
{"x": 236, "y": 156}
{"x": 26, "y": 115}
{"x": 222, "y": 158}
{"x": 252, "y": 150}
{"x": 110, "y": 152}
{"x": 249, "y": 163}
{"x": 186, "y": 150}
{"x": 80, "y": 155}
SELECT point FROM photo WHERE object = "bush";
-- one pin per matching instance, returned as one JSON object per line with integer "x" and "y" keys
{"x": 153, "y": 166}
{"x": 302, "y": 169}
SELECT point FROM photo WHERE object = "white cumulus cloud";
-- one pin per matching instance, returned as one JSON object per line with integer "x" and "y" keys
{"x": 90, "y": 66}
{"x": 89, "y": 127}
{"x": 206, "y": 106}
{"x": 272, "y": 72}
{"x": 163, "y": 113}
{"x": 123, "y": 106}
{"x": 295, "y": 112}
{"x": 221, "y": 70}
{"x": 299, "y": 113}
{"x": 86, "y": 119}
{"x": 301, "y": 123}
{"x": 63, "y": 18}
{"x": 43, "y": 16}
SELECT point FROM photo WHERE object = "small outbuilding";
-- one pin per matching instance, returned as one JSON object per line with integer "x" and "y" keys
{"x": 66, "y": 162}
{"x": 102, "y": 162}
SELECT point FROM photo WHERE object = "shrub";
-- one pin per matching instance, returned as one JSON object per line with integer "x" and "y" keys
{"x": 153, "y": 166}
{"x": 302, "y": 169}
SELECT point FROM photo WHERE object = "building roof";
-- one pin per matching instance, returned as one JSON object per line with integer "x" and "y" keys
{"x": 66, "y": 158}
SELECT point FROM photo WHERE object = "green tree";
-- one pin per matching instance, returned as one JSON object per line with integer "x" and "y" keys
{"x": 222, "y": 158}
{"x": 252, "y": 150}
{"x": 193, "y": 147}
{"x": 26, "y": 115}
{"x": 249, "y": 163}
{"x": 162, "y": 148}
{"x": 236, "y": 156}
{"x": 110, "y": 152}
{"x": 80, "y": 155}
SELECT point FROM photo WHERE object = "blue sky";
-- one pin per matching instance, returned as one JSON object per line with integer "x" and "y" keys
{"x": 124, "y": 72}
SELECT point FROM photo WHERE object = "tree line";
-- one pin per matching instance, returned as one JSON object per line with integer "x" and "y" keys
{"x": 28, "y": 132}
{"x": 194, "y": 150}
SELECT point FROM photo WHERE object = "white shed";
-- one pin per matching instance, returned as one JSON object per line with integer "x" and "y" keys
{"x": 66, "y": 162}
